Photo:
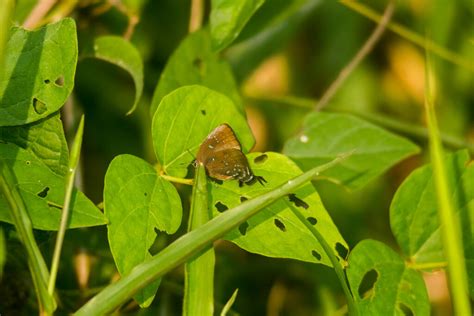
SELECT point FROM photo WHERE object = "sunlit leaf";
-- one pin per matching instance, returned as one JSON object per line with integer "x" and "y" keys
{"x": 42, "y": 191}
{"x": 228, "y": 18}
{"x": 118, "y": 51}
{"x": 39, "y": 72}
{"x": 138, "y": 202}
{"x": 414, "y": 216}
{"x": 183, "y": 120}
{"x": 194, "y": 62}
{"x": 326, "y": 135}
{"x": 276, "y": 231}
{"x": 382, "y": 284}
{"x": 43, "y": 139}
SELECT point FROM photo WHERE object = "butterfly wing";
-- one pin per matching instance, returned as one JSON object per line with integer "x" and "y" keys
{"x": 221, "y": 138}
{"x": 228, "y": 164}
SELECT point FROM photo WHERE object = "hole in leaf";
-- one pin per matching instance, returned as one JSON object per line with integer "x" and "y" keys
{"x": 198, "y": 63}
{"x": 342, "y": 251}
{"x": 47, "y": 81}
{"x": 405, "y": 309}
{"x": 312, "y": 220}
{"x": 43, "y": 193}
{"x": 297, "y": 201}
{"x": 243, "y": 228}
{"x": 367, "y": 284}
{"x": 28, "y": 162}
{"x": 203, "y": 112}
{"x": 39, "y": 106}
{"x": 316, "y": 255}
{"x": 59, "y": 81}
{"x": 221, "y": 207}
{"x": 260, "y": 159}
{"x": 280, "y": 225}
{"x": 243, "y": 199}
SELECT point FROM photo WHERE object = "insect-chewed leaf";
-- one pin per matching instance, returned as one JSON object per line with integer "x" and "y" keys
{"x": 276, "y": 231}
{"x": 137, "y": 201}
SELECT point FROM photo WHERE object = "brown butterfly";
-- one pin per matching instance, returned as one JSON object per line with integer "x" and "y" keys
{"x": 222, "y": 156}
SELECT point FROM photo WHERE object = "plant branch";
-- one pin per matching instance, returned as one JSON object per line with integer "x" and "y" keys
{"x": 364, "y": 51}
{"x": 197, "y": 14}
{"x": 73, "y": 162}
{"x": 188, "y": 245}
{"x": 38, "y": 13}
{"x": 411, "y": 36}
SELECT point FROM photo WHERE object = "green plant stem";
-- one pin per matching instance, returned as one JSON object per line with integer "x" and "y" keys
{"x": 332, "y": 257}
{"x": 355, "y": 61}
{"x": 199, "y": 271}
{"x": 411, "y": 36}
{"x": 427, "y": 265}
{"x": 449, "y": 221}
{"x": 229, "y": 303}
{"x": 186, "y": 246}
{"x": 5, "y": 17}
{"x": 73, "y": 161}
{"x": 177, "y": 180}
{"x": 24, "y": 228}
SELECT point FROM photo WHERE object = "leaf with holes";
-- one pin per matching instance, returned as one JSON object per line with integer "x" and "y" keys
{"x": 326, "y": 135}
{"x": 137, "y": 202}
{"x": 414, "y": 217}
{"x": 42, "y": 190}
{"x": 118, "y": 51}
{"x": 382, "y": 284}
{"x": 228, "y": 18}
{"x": 276, "y": 231}
{"x": 184, "y": 119}
{"x": 44, "y": 139}
{"x": 194, "y": 62}
{"x": 39, "y": 72}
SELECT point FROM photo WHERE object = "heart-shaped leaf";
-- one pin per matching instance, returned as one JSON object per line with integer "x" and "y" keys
{"x": 414, "y": 216}
{"x": 183, "y": 120}
{"x": 137, "y": 202}
{"x": 382, "y": 284}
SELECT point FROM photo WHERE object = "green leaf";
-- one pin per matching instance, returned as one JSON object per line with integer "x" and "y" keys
{"x": 43, "y": 139}
{"x": 137, "y": 201}
{"x": 3, "y": 252}
{"x": 382, "y": 284}
{"x": 267, "y": 33}
{"x": 276, "y": 231}
{"x": 118, "y": 51}
{"x": 228, "y": 18}
{"x": 194, "y": 62}
{"x": 414, "y": 218}
{"x": 326, "y": 135}
{"x": 42, "y": 190}
{"x": 184, "y": 119}
{"x": 39, "y": 72}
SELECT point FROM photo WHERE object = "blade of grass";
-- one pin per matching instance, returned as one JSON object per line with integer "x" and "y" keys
{"x": 410, "y": 35}
{"x": 352, "y": 306}
{"x": 449, "y": 221}
{"x": 199, "y": 271}
{"x": 73, "y": 161}
{"x": 24, "y": 228}
{"x": 186, "y": 246}
{"x": 229, "y": 303}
